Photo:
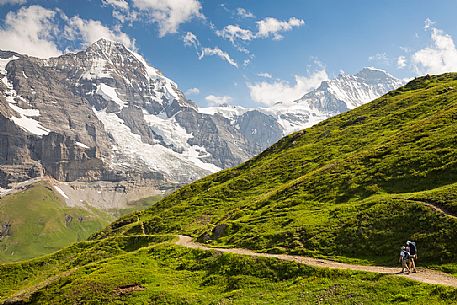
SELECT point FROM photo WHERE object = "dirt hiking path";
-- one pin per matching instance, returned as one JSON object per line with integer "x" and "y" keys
{"x": 423, "y": 275}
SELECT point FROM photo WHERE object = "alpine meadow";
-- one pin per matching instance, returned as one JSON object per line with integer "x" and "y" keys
{"x": 356, "y": 184}
{"x": 189, "y": 152}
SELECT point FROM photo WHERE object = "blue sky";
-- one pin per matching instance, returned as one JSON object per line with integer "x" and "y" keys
{"x": 249, "y": 53}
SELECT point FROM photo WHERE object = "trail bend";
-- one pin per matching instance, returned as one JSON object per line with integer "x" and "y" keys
{"x": 423, "y": 275}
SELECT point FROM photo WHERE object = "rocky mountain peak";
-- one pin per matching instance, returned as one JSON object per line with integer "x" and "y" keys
{"x": 107, "y": 47}
{"x": 374, "y": 75}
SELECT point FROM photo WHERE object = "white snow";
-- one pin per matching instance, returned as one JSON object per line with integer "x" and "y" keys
{"x": 110, "y": 94}
{"x": 294, "y": 116}
{"x": 23, "y": 73}
{"x": 152, "y": 74}
{"x": 82, "y": 145}
{"x": 25, "y": 119}
{"x": 171, "y": 132}
{"x": 130, "y": 150}
{"x": 4, "y": 62}
{"x": 229, "y": 112}
{"x": 22, "y": 111}
{"x": 30, "y": 125}
{"x": 59, "y": 190}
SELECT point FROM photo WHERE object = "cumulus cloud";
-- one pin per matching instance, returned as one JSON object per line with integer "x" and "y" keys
{"x": 218, "y": 100}
{"x": 89, "y": 31}
{"x": 190, "y": 40}
{"x": 169, "y": 14}
{"x": 401, "y": 62}
{"x": 439, "y": 57}
{"x": 269, "y": 93}
{"x": 34, "y": 31}
{"x": 244, "y": 13}
{"x": 192, "y": 91}
{"x": 232, "y": 32}
{"x": 217, "y": 52}
{"x": 268, "y": 27}
{"x": 120, "y": 4}
{"x": 4, "y": 2}
{"x": 30, "y": 30}
{"x": 272, "y": 27}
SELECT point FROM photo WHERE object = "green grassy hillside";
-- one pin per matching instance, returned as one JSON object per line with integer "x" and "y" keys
{"x": 38, "y": 226}
{"x": 151, "y": 270}
{"x": 355, "y": 186}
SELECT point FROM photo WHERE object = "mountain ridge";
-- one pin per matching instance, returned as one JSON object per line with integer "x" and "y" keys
{"x": 106, "y": 114}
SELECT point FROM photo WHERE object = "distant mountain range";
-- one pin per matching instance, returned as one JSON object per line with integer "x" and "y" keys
{"x": 105, "y": 114}
{"x": 332, "y": 97}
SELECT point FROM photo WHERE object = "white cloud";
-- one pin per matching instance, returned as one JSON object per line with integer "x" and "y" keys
{"x": 232, "y": 32}
{"x": 380, "y": 58}
{"x": 272, "y": 27}
{"x": 192, "y": 91}
{"x": 34, "y": 31}
{"x": 401, "y": 62}
{"x": 217, "y": 100}
{"x": 439, "y": 57}
{"x": 190, "y": 40}
{"x": 30, "y": 30}
{"x": 12, "y": 2}
{"x": 89, "y": 31}
{"x": 120, "y": 4}
{"x": 268, "y": 27}
{"x": 269, "y": 93}
{"x": 169, "y": 14}
{"x": 244, "y": 13}
{"x": 125, "y": 16}
{"x": 266, "y": 75}
{"x": 218, "y": 52}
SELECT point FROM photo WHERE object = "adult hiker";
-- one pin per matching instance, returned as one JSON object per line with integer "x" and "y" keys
{"x": 412, "y": 255}
{"x": 404, "y": 260}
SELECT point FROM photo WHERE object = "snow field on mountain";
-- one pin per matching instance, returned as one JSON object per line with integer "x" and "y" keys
{"x": 109, "y": 94}
{"x": 131, "y": 148}
{"x": 25, "y": 120}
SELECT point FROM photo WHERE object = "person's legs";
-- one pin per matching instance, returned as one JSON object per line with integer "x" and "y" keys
{"x": 412, "y": 264}
{"x": 405, "y": 266}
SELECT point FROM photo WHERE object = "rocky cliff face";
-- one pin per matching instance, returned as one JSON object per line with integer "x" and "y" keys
{"x": 105, "y": 114}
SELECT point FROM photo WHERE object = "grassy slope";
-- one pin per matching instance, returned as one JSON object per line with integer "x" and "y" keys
{"x": 356, "y": 186}
{"x": 166, "y": 274}
{"x": 37, "y": 216}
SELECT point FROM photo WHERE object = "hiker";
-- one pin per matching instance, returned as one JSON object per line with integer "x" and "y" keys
{"x": 404, "y": 260}
{"x": 412, "y": 255}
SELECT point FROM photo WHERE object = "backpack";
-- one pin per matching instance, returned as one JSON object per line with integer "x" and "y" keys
{"x": 406, "y": 255}
{"x": 412, "y": 247}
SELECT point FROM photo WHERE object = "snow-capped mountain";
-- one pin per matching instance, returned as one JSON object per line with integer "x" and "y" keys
{"x": 332, "y": 97}
{"x": 105, "y": 114}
